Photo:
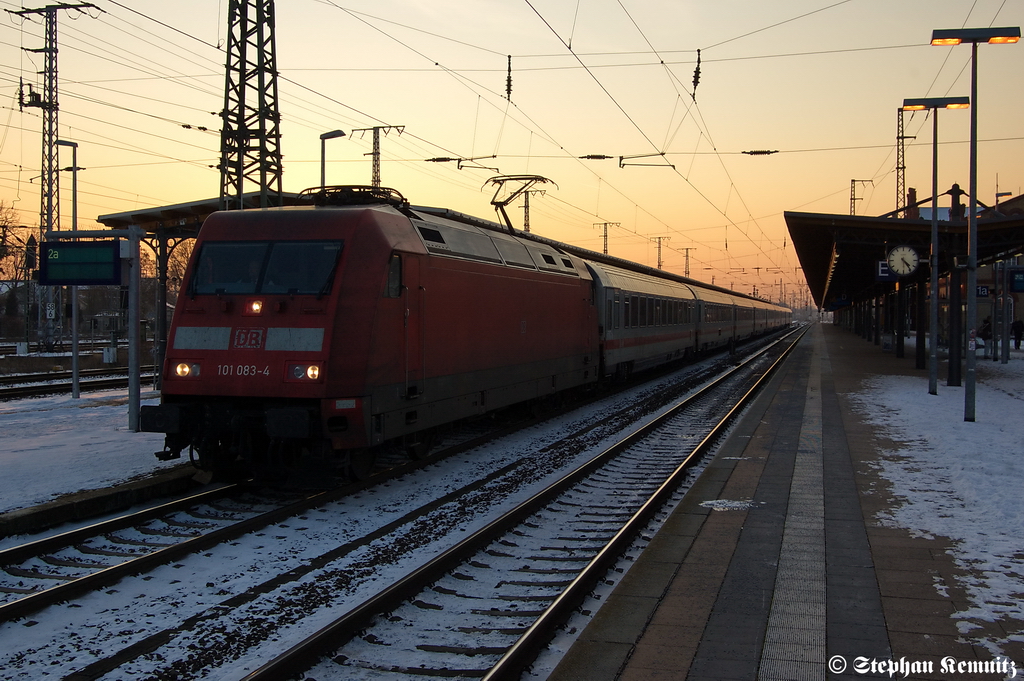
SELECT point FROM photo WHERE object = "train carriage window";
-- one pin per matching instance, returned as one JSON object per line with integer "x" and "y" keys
{"x": 394, "y": 284}
{"x": 643, "y": 311}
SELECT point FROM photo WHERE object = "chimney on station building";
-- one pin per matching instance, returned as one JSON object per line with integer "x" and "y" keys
{"x": 912, "y": 213}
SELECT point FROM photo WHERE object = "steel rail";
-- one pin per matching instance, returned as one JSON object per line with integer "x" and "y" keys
{"x": 64, "y": 375}
{"x": 524, "y": 651}
{"x": 22, "y": 552}
{"x": 112, "y": 574}
{"x": 301, "y": 656}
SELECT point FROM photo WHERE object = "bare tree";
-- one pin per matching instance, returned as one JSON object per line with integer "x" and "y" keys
{"x": 13, "y": 294}
{"x": 12, "y": 242}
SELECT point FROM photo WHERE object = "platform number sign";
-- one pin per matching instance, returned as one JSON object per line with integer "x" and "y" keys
{"x": 80, "y": 263}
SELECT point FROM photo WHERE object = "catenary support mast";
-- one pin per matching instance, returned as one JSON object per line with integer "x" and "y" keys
{"x": 250, "y": 138}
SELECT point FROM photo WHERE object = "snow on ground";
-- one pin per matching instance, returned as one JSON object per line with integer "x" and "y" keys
{"x": 961, "y": 480}
{"x": 53, "y": 446}
{"x": 954, "y": 479}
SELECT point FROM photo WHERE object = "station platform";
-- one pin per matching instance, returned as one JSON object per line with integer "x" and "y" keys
{"x": 795, "y": 578}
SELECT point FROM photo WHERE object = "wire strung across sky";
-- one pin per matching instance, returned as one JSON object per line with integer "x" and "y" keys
{"x": 205, "y": 89}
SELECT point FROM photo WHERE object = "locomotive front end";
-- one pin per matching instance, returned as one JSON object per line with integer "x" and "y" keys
{"x": 247, "y": 385}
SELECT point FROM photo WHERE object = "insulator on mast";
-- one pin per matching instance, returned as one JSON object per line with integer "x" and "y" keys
{"x": 696, "y": 77}
{"x": 508, "y": 80}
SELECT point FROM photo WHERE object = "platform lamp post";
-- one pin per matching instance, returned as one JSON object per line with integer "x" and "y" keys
{"x": 935, "y": 103}
{"x": 956, "y": 36}
{"x": 333, "y": 134}
{"x": 75, "y": 384}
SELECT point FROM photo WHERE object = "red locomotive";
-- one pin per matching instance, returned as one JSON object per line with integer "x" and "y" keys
{"x": 307, "y": 337}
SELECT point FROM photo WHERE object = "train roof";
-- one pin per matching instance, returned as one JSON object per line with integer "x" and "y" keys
{"x": 593, "y": 256}
{"x": 636, "y": 282}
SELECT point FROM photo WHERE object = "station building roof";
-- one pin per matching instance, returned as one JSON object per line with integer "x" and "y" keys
{"x": 840, "y": 254}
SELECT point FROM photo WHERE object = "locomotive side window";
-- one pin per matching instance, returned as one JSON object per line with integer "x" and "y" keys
{"x": 394, "y": 286}
{"x": 431, "y": 235}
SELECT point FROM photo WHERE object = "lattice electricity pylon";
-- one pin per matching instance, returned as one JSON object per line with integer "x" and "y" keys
{"x": 250, "y": 136}
{"x": 47, "y": 101}
{"x": 901, "y": 165}
{"x": 50, "y": 329}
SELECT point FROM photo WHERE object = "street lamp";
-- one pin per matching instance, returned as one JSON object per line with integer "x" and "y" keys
{"x": 333, "y": 134}
{"x": 935, "y": 103}
{"x": 75, "y": 391}
{"x": 956, "y": 37}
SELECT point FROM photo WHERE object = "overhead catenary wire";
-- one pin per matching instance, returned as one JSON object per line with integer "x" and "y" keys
{"x": 459, "y": 74}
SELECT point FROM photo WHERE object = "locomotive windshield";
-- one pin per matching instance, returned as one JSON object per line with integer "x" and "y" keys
{"x": 249, "y": 267}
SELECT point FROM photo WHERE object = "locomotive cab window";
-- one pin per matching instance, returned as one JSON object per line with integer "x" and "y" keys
{"x": 249, "y": 267}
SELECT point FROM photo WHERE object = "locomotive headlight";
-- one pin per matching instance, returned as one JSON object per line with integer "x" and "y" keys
{"x": 303, "y": 372}
{"x": 186, "y": 370}
{"x": 253, "y": 307}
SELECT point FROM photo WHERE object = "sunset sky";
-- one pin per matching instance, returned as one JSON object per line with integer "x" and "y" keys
{"x": 818, "y": 81}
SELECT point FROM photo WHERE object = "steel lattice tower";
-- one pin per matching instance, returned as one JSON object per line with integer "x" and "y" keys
{"x": 250, "y": 138}
{"x": 48, "y": 215}
{"x": 901, "y": 165}
{"x": 49, "y": 184}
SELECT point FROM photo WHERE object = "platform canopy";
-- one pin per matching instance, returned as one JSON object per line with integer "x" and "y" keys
{"x": 178, "y": 220}
{"x": 840, "y": 254}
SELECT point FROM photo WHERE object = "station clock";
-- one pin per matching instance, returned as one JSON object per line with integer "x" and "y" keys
{"x": 903, "y": 260}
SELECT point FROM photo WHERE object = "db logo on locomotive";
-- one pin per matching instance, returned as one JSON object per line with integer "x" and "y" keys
{"x": 248, "y": 339}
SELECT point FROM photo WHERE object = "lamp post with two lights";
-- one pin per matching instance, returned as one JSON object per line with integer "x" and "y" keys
{"x": 956, "y": 36}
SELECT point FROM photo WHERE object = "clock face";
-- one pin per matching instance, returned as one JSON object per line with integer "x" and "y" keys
{"x": 903, "y": 260}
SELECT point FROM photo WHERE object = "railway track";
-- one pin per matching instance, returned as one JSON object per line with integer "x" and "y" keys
{"x": 59, "y": 382}
{"x": 486, "y": 606}
{"x": 47, "y": 571}
{"x": 362, "y": 554}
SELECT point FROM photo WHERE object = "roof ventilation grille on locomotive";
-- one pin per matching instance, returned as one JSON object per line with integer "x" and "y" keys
{"x": 353, "y": 195}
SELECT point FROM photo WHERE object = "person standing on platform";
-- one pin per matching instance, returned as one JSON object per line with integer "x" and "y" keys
{"x": 1017, "y": 329}
{"x": 985, "y": 334}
